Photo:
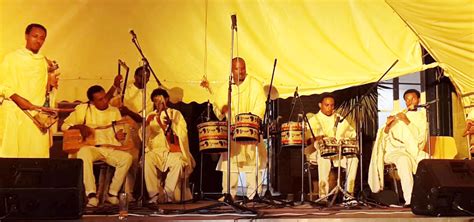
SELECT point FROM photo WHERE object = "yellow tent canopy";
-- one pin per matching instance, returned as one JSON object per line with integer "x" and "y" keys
{"x": 320, "y": 45}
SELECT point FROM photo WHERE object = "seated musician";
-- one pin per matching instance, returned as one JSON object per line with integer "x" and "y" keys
{"x": 401, "y": 142}
{"x": 167, "y": 152}
{"x": 97, "y": 113}
{"x": 322, "y": 125}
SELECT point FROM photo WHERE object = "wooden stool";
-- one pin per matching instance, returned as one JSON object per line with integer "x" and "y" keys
{"x": 391, "y": 170}
{"x": 105, "y": 176}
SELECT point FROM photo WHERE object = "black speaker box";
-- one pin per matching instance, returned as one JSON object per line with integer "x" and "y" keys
{"x": 41, "y": 188}
{"x": 444, "y": 188}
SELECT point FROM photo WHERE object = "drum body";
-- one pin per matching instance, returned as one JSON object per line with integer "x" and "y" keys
{"x": 212, "y": 137}
{"x": 349, "y": 146}
{"x": 291, "y": 134}
{"x": 329, "y": 147}
{"x": 247, "y": 128}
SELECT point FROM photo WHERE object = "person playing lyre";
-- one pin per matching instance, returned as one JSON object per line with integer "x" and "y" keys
{"x": 24, "y": 72}
{"x": 323, "y": 125}
{"x": 87, "y": 116}
{"x": 132, "y": 107}
{"x": 247, "y": 97}
{"x": 167, "y": 152}
{"x": 401, "y": 142}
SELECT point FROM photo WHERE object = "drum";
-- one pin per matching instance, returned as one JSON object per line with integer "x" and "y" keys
{"x": 330, "y": 147}
{"x": 291, "y": 134}
{"x": 212, "y": 137}
{"x": 349, "y": 146}
{"x": 247, "y": 128}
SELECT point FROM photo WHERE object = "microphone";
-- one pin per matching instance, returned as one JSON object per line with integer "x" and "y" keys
{"x": 234, "y": 21}
{"x": 338, "y": 118}
{"x": 426, "y": 105}
{"x": 132, "y": 33}
{"x": 294, "y": 97}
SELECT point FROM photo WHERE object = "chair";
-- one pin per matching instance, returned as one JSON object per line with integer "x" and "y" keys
{"x": 105, "y": 176}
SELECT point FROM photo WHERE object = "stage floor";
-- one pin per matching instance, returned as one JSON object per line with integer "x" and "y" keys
{"x": 213, "y": 210}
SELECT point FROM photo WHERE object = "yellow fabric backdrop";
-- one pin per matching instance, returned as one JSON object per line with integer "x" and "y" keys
{"x": 320, "y": 45}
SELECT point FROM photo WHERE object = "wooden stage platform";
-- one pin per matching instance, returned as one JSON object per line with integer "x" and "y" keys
{"x": 207, "y": 210}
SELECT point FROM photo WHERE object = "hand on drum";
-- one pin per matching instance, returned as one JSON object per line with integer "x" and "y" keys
{"x": 225, "y": 109}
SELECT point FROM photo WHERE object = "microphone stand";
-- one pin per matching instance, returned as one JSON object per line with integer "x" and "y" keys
{"x": 146, "y": 65}
{"x": 359, "y": 125}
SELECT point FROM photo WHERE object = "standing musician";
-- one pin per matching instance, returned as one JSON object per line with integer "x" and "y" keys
{"x": 167, "y": 152}
{"x": 132, "y": 107}
{"x": 323, "y": 125}
{"x": 247, "y": 97}
{"x": 24, "y": 72}
{"x": 401, "y": 142}
{"x": 98, "y": 113}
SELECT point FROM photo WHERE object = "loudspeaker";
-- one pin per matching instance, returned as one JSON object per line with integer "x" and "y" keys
{"x": 41, "y": 188}
{"x": 444, "y": 188}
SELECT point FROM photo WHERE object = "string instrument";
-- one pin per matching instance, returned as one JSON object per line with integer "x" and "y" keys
{"x": 124, "y": 65}
{"x": 73, "y": 139}
{"x": 171, "y": 137}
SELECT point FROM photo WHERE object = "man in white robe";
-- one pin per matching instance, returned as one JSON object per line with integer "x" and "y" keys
{"x": 132, "y": 107}
{"x": 401, "y": 142}
{"x": 24, "y": 72}
{"x": 167, "y": 152}
{"x": 248, "y": 96}
{"x": 323, "y": 125}
{"x": 97, "y": 113}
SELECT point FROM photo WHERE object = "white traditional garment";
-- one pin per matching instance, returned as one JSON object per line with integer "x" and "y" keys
{"x": 133, "y": 99}
{"x": 92, "y": 117}
{"x": 159, "y": 159}
{"x": 26, "y": 74}
{"x": 323, "y": 125}
{"x": 248, "y": 97}
{"x": 403, "y": 145}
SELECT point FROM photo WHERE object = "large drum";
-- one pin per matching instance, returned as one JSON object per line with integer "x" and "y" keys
{"x": 291, "y": 134}
{"x": 329, "y": 147}
{"x": 212, "y": 137}
{"x": 349, "y": 146}
{"x": 247, "y": 128}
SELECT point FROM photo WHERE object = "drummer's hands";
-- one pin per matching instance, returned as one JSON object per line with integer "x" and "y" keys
{"x": 85, "y": 130}
{"x": 167, "y": 120}
{"x": 225, "y": 109}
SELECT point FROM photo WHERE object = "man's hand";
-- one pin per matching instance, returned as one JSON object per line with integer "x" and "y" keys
{"x": 403, "y": 117}
{"x": 120, "y": 135}
{"x": 150, "y": 118}
{"x": 225, "y": 109}
{"x": 118, "y": 80}
{"x": 390, "y": 121}
{"x": 85, "y": 130}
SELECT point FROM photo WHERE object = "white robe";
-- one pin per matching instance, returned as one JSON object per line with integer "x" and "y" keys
{"x": 248, "y": 97}
{"x": 401, "y": 141}
{"x": 25, "y": 74}
{"x": 159, "y": 157}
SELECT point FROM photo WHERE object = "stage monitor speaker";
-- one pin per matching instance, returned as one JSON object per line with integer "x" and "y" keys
{"x": 33, "y": 188}
{"x": 444, "y": 188}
